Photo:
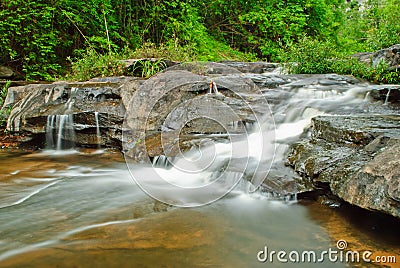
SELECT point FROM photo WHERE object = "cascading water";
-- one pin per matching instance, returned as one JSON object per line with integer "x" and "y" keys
{"x": 60, "y": 132}
{"x": 98, "y": 133}
{"x": 292, "y": 116}
{"x": 387, "y": 97}
{"x": 87, "y": 206}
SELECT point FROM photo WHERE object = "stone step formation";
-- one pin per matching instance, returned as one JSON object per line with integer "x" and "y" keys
{"x": 330, "y": 128}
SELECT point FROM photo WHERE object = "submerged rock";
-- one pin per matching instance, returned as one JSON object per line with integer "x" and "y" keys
{"x": 359, "y": 156}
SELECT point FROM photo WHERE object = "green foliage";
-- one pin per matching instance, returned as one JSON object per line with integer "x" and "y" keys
{"x": 265, "y": 27}
{"x": 28, "y": 37}
{"x": 45, "y": 39}
{"x": 91, "y": 64}
{"x": 3, "y": 92}
{"x": 313, "y": 56}
{"x": 149, "y": 68}
{"x": 372, "y": 27}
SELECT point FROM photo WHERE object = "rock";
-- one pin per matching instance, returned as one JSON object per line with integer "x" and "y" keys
{"x": 254, "y": 67}
{"x": 391, "y": 56}
{"x": 386, "y": 93}
{"x": 365, "y": 57}
{"x": 6, "y": 72}
{"x": 328, "y": 81}
{"x": 358, "y": 156}
{"x": 358, "y": 130}
{"x": 206, "y": 68}
{"x": 178, "y": 100}
{"x": 32, "y": 104}
{"x": 270, "y": 80}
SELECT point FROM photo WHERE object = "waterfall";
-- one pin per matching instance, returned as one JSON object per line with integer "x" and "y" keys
{"x": 247, "y": 162}
{"x": 215, "y": 88}
{"x": 71, "y": 100}
{"x": 160, "y": 161}
{"x": 235, "y": 125}
{"x": 366, "y": 98}
{"x": 98, "y": 134}
{"x": 387, "y": 97}
{"x": 60, "y": 132}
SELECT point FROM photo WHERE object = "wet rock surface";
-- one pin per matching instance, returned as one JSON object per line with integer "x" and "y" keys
{"x": 32, "y": 104}
{"x": 358, "y": 156}
{"x": 180, "y": 99}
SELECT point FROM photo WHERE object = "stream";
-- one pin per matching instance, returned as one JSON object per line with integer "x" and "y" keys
{"x": 82, "y": 208}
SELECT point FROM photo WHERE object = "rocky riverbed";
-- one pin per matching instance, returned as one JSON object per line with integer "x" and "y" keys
{"x": 332, "y": 131}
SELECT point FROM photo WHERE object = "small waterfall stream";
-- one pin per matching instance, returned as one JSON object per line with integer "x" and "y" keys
{"x": 98, "y": 133}
{"x": 254, "y": 158}
{"x": 60, "y": 129}
{"x": 60, "y": 132}
{"x": 387, "y": 97}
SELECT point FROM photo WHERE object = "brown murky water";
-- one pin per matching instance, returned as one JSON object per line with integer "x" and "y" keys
{"x": 82, "y": 209}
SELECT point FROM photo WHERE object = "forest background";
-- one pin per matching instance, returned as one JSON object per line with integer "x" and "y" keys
{"x": 69, "y": 39}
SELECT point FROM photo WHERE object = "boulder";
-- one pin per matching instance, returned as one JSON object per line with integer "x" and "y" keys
{"x": 178, "y": 100}
{"x": 357, "y": 156}
{"x": 255, "y": 67}
{"x": 391, "y": 56}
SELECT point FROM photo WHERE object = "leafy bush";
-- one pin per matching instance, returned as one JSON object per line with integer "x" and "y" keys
{"x": 313, "y": 56}
{"x": 370, "y": 27}
{"x": 92, "y": 64}
{"x": 148, "y": 68}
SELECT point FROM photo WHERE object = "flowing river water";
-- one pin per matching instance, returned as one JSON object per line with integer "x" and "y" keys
{"x": 81, "y": 208}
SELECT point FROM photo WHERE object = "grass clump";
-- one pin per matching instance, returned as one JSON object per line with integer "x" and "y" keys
{"x": 90, "y": 63}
